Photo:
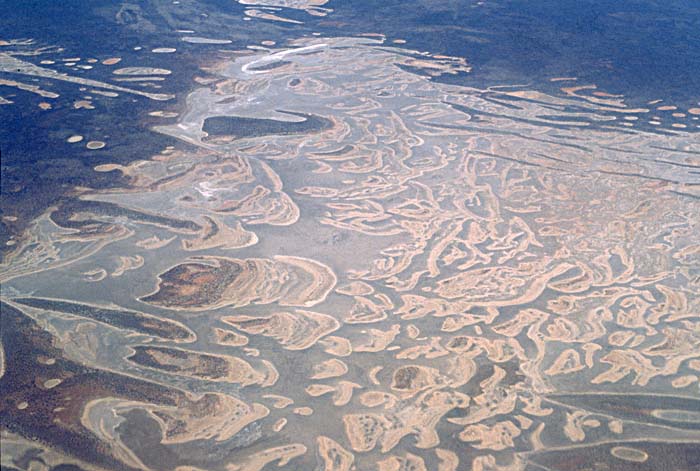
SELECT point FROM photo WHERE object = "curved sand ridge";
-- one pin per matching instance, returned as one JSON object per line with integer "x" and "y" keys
{"x": 296, "y": 330}
{"x": 213, "y": 282}
{"x": 493, "y": 250}
{"x": 224, "y": 368}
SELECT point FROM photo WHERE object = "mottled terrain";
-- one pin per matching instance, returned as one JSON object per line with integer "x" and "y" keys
{"x": 349, "y": 265}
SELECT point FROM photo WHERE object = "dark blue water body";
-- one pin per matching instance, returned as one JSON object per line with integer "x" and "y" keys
{"x": 645, "y": 50}
{"x": 39, "y": 168}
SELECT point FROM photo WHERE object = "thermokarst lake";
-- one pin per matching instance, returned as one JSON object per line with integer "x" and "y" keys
{"x": 350, "y": 235}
